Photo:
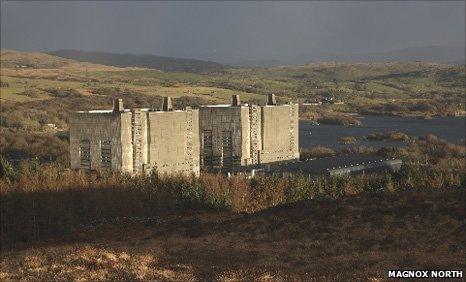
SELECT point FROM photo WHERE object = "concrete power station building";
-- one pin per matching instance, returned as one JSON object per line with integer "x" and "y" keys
{"x": 183, "y": 141}
{"x": 241, "y": 135}
{"x": 136, "y": 140}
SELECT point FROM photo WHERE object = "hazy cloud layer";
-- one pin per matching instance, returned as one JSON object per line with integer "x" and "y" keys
{"x": 231, "y": 31}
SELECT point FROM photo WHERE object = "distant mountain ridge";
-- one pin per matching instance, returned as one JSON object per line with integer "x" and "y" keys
{"x": 258, "y": 63}
{"x": 435, "y": 54}
{"x": 454, "y": 55}
{"x": 143, "y": 61}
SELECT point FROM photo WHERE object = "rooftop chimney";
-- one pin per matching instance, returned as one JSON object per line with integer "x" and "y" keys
{"x": 167, "y": 104}
{"x": 235, "y": 100}
{"x": 118, "y": 106}
{"x": 271, "y": 100}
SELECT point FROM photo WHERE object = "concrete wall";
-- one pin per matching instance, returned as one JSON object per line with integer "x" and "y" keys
{"x": 261, "y": 134}
{"x": 139, "y": 140}
{"x": 255, "y": 133}
{"x": 126, "y": 146}
{"x": 279, "y": 133}
{"x": 222, "y": 120}
{"x": 173, "y": 141}
{"x": 98, "y": 127}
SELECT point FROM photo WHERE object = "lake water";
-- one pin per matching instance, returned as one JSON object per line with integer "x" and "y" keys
{"x": 448, "y": 128}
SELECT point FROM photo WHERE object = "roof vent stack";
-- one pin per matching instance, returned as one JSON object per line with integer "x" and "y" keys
{"x": 118, "y": 106}
{"x": 167, "y": 104}
{"x": 271, "y": 100}
{"x": 235, "y": 100}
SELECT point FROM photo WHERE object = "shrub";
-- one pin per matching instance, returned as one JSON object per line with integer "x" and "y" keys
{"x": 46, "y": 147}
{"x": 32, "y": 93}
{"x": 6, "y": 170}
{"x": 347, "y": 140}
{"x": 422, "y": 106}
{"x": 339, "y": 120}
{"x": 62, "y": 93}
{"x": 316, "y": 152}
{"x": 391, "y": 136}
{"x": 42, "y": 200}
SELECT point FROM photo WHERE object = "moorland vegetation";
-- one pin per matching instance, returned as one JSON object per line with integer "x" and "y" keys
{"x": 39, "y": 200}
{"x": 58, "y": 224}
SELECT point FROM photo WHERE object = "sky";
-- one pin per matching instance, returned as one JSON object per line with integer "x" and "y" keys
{"x": 231, "y": 31}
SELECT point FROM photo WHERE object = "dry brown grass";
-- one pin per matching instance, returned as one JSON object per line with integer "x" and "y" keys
{"x": 353, "y": 237}
{"x": 390, "y": 136}
{"x": 347, "y": 140}
{"x": 43, "y": 66}
{"x": 87, "y": 262}
{"x": 74, "y": 71}
{"x": 316, "y": 152}
{"x": 63, "y": 225}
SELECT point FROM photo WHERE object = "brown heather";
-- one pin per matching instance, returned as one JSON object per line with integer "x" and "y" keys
{"x": 58, "y": 224}
{"x": 350, "y": 238}
{"x": 45, "y": 201}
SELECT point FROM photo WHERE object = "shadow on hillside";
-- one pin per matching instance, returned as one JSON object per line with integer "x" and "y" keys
{"x": 40, "y": 215}
{"x": 418, "y": 229}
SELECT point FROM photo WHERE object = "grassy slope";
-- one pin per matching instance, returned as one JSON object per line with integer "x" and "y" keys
{"x": 353, "y": 237}
{"x": 37, "y": 72}
{"x": 349, "y": 81}
{"x": 312, "y": 239}
{"x": 364, "y": 87}
{"x": 18, "y": 85}
{"x": 145, "y": 61}
{"x": 17, "y": 59}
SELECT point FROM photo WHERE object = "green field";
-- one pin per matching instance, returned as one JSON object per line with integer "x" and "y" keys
{"x": 417, "y": 89}
{"x": 60, "y": 224}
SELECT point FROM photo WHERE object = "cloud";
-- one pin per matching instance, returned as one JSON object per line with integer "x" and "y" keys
{"x": 231, "y": 31}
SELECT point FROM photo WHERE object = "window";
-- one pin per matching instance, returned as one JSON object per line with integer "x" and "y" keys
{"x": 106, "y": 154}
{"x": 227, "y": 146}
{"x": 227, "y": 140}
{"x": 207, "y": 147}
{"x": 207, "y": 139}
{"x": 85, "y": 154}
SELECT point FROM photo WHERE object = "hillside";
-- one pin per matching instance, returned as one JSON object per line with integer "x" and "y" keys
{"x": 17, "y": 59}
{"x": 36, "y": 63}
{"x": 418, "y": 89}
{"x": 356, "y": 237}
{"x": 258, "y": 63}
{"x": 453, "y": 55}
{"x": 436, "y": 54}
{"x": 142, "y": 61}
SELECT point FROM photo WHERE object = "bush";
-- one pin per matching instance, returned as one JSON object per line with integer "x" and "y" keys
{"x": 316, "y": 152}
{"x": 7, "y": 171}
{"x": 391, "y": 136}
{"x": 32, "y": 93}
{"x": 339, "y": 120}
{"x": 42, "y": 200}
{"x": 62, "y": 93}
{"x": 347, "y": 140}
{"x": 422, "y": 106}
{"x": 46, "y": 147}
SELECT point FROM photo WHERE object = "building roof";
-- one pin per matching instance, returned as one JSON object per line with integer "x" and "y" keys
{"x": 126, "y": 110}
{"x": 328, "y": 163}
{"x": 222, "y": 106}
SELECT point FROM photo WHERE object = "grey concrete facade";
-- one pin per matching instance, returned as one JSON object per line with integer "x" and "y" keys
{"x": 241, "y": 135}
{"x": 99, "y": 140}
{"x": 183, "y": 141}
{"x": 136, "y": 141}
